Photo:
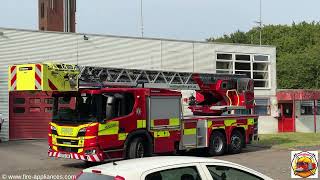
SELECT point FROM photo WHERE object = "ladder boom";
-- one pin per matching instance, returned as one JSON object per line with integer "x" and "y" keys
{"x": 103, "y": 76}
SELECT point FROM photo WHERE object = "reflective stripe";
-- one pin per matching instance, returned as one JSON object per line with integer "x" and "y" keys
{"x": 96, "y": 158}
{"x": 250, "y": 121}
{"x": 13, "y": 78}
{"x": 158, "y": 134}
{"x": 109, "y": 128}
{"x": 55, "y": 148}
{"x": 141, "y": 124}
{"x": 80, "y": 150}
{"x": 38, "y": 77}
{"x": 219, "y": 127}
{"x": 174, "y": 122}
{"x": 231, "y": 122}
{"x": 244, "y": 126}
{"x": 209, "y": 124}
{"x": 122, "y": 136}
{"x": 190, "y": 131}
{"x": 88, "y": 137}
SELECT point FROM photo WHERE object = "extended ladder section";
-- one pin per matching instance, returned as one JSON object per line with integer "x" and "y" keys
{"x": 102, "y": 76}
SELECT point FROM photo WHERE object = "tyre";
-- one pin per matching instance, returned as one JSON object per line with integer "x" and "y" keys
{"x": 236, "y": 142}
{"x": 217, "y": 144}
{"x": 137, "y": 149}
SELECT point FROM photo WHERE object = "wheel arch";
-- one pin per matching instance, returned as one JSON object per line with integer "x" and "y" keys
{"x": 138, "y": 133}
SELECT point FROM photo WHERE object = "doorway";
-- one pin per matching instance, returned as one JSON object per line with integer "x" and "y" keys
{"x": 286, "y": 119}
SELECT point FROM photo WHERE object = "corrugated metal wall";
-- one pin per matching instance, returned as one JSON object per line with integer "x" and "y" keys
{"x": 22, "y": 46}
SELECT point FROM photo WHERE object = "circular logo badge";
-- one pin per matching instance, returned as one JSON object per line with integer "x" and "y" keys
{"x": 304, "y": 164}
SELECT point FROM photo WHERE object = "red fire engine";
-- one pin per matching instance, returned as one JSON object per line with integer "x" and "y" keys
{"x": 129, "y": 113}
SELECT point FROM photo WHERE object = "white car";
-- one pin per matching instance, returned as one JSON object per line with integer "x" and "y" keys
{"x": 171, "y": 168}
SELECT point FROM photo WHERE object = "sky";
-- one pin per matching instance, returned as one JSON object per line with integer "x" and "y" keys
{"x": 173, "y": 19}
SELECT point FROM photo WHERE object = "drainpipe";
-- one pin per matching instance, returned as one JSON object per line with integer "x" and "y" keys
{"x": 315, "y": 116}
{"x": 294, "y": 112}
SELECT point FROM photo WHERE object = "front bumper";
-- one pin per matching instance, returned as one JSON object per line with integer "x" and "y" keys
{"x": 70, "y": 155}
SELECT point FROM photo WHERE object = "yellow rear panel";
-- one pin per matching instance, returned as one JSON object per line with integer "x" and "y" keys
{"x": 43, "y": 77}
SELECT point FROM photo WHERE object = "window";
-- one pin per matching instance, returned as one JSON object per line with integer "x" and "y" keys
{"x": 287, "y": 110}
{"x": 254, "y": 66}
{"x": 19, "y": 101}
{"x": 64, "y": 100}
{"x": 224, "y": 56}
{"x": 306, "y": 107}
{"x": 42, "y": 10}
{"x": 228, "y": 173}
{"x": 48, "y": 100}
{"x": 117, "y": 104}
{"x": 261, "y": 107}
{"x": 164, "y": 107}
{"x": 48, "y": 109}
{"x": 224, "y": 63}
{"x": 260, "y": 58}
{"x": 34, "y": 109}
{"x": 240, "y": 57}
{"x": 18, "y": 110}
{"x": 183, "y": 173}
{"x": 259, "y": 83}
{"x": 35, "y": 100}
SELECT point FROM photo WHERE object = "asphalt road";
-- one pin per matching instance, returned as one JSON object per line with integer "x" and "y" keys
{"x": 29, "y": 159}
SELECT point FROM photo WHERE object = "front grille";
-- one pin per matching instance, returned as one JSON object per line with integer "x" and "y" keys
{"x": 67, "y": 141}
{"x": 68, "y": 149}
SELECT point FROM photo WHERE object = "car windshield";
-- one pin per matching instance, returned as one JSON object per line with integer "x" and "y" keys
{"x": 77, "y": 108}
{"x": 92, "y": 176}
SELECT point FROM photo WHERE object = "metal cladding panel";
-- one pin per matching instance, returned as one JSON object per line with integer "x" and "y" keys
{"x": 25, "y": 46}
{"x": 204, "y": 58}
{"x": 177, "y": 56}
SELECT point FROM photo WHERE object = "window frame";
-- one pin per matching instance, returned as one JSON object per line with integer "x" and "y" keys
{"x": 198, "y": 167}
{"x": 304, "y": 103}
{"x": 251, "y": 71}
{"x": 267, "y": 106}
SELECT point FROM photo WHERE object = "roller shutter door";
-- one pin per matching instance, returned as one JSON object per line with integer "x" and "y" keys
{"x": 29, "y": 115}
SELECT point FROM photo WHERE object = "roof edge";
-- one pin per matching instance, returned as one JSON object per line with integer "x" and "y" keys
{"x": 135, "y": 37}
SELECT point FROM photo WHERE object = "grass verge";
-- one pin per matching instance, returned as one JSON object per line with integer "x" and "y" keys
{"x": 289, "y": 140}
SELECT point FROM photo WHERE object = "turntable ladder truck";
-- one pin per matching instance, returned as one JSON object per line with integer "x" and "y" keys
{"x": 119, "y": 113}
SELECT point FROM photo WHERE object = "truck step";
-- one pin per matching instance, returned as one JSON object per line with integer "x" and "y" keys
{"x": 113, "y": 150}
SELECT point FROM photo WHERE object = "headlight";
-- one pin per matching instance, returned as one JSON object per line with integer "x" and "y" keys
{"x": 54, "y": 130}
{"x": 82, "y": 132}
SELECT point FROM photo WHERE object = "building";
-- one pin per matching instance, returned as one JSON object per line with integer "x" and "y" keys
{"x": 299, "y": 110}
{"x": 22, "y": 46}
{"x": 57, "y": 15}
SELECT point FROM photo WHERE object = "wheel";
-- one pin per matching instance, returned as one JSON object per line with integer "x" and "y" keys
{"x": 137, "y": 149}
{"x": 217, "y": 144}
{"x": 236, "y": 142}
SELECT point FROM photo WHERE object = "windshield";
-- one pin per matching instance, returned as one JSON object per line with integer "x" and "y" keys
{"x": 81, "y": 108}
{"x": 73, "y": 108}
